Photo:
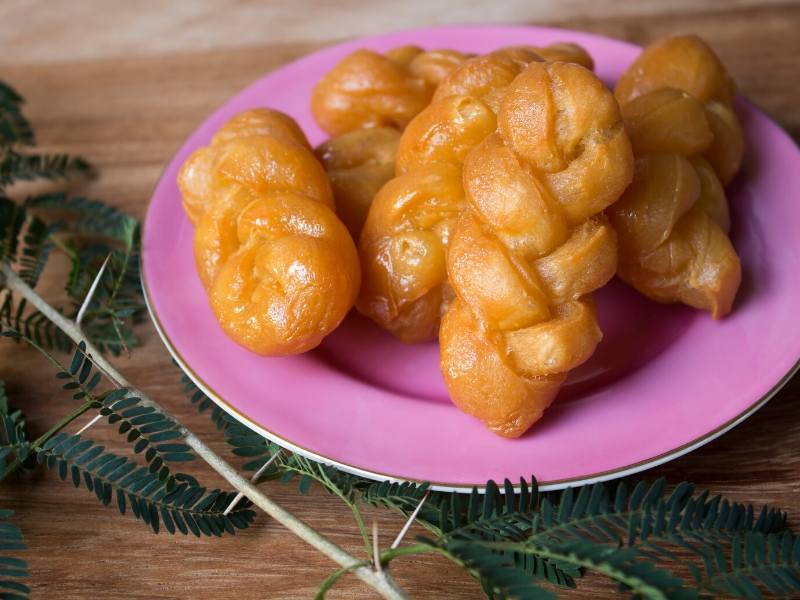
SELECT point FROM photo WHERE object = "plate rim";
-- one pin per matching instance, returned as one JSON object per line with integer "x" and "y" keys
{"x": 550, "y": 485}
{"x": 545, "y": 486}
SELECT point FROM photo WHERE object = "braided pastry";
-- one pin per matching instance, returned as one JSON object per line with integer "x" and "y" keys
{"x": 532, "y": 245}
{"x": 280, "y": 268}
{"x": 402, "y": 246}
{"x": 358, "y": 163}
{"x": 673, "y": 220}
{"x": 367, "y": 89}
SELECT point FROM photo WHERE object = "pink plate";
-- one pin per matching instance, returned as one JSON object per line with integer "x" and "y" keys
{"x": 665, "y": 380}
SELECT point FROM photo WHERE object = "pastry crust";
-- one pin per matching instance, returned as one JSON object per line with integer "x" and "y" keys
{"x": 280, "y": 268}
{"x": 532, "y": 245}
{"x": 403, "y": 243}
{"x": 358, "y": 163}
{"x": 673, "y": 221}
{"x": 405, "y": 286}
{"x": 368, "y": 89}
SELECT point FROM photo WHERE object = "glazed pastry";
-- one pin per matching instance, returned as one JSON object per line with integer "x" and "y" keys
{"x": 673, "y": 221}
{"x": 358, "y": 163}
{"x": 368, "y": 89}
{"x": 565, "y": 52}
{"x": 280, "y": 268}
{"x": 403, "y": 243}
{"x": 532, "y": 245}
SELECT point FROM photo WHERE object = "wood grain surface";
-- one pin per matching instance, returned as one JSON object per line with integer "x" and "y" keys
{"x": 123, "y": 83}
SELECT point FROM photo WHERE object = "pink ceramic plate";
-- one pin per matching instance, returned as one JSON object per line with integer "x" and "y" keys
{"x": 665, "y": 380}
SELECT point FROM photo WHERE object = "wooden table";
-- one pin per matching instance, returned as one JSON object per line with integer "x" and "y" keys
{"x": 123, "y": 83}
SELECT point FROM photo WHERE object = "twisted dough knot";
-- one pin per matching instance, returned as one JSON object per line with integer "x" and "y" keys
{"x": 358, "y": 163}
{"x": 688, "y": 64}
{"x": 533, "y": 244}
{"x": 673, "y": 220}
{"x": 280, "y": 268}
{"x": 403, "y": 243}
{"x": 367, "y": 89}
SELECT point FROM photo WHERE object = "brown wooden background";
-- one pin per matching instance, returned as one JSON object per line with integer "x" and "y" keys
{"x": 123, "y": 83}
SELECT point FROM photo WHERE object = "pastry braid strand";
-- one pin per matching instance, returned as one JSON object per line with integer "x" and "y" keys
{"x": 280, "y": 268}
{"x": 369, "y": 89}
{"x": 673, "y": 221}
{"x": 403, "y": 243}
{"x": 532, "y": 245}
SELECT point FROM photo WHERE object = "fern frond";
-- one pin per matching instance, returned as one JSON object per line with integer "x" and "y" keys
{"x": 246, "y": 443}
{"x": 13, "y": 437}
{"x": 87, "y": 216}
{"x": 203, "y": 403}
{"x": 404, "y": 498}
{"x": 607, "y": 514}
{"x": 12, "y": 219}
{"x": 16, "y": 166}
{"x": 499, "y": 576}
{"x": 32, "y": 324}
{"x": 37, "y": 244}
{"x": 12, "y": 569}
{"x": 757, "y": 561}
{"x": 14, "y": 127}
{"x": 118, "y": 302}
{"x": 185, "y": 508}
{"x": 150, "y": 432}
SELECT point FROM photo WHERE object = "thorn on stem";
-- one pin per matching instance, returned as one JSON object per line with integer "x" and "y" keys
{"x": 90, "y": 294}
{"x": 409, "y": 521}
{"x": 256, "y": 475}
{"x": 89, "y": 424}
{"x": 376, "y": 554}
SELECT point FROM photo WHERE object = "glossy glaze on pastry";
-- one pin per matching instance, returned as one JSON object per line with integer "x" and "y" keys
{"x": 402, "y": 247}
{"x": 532, "y": 245}
{"x": 403, "y": 243}
{"x": 673, "y": 221}
{"x": 280, "y": 268}
{"x": 369, "y": 89}
{"x": 358, "y": 163}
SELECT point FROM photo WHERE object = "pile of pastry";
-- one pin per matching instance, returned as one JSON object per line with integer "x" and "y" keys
{"x": 477, "y": 199}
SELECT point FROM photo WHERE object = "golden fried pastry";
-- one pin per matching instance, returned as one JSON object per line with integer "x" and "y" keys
{"x": 673, "y": 220}
{"x": 532, "y": 245}
{"x": 403, "y": 243}
{"x": 358, "y": 163}
{"x": 195, "y": 178}
{"x": 565, "y": 52}
{"x": 280, "y": 268}
{"x": 368, "y": 89}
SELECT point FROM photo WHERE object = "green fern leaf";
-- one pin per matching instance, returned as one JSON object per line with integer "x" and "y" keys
{"x": 87, "y": 216}
{"x": 14, "y": 127}
{"x": 14, "y": 442}
{"x": 157, "y": 437}
{"x": 203, "y": 403}
{"x": 16, "y": 166}
{"x": 183, "y": 508}
{"x": 757, "y": 561}
{"x": 31, "y": 324}
{"x": 12, "y": 219}
{"x": 499, "y": 576}
{"x": 12, "y": 568}
{"x": 37, "y": 244}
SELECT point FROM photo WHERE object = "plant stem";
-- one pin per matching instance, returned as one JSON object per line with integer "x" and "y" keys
{"x": 43, "y": 439}
{"x": 393, "y": 553}
{"x": 381, "y": 582}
